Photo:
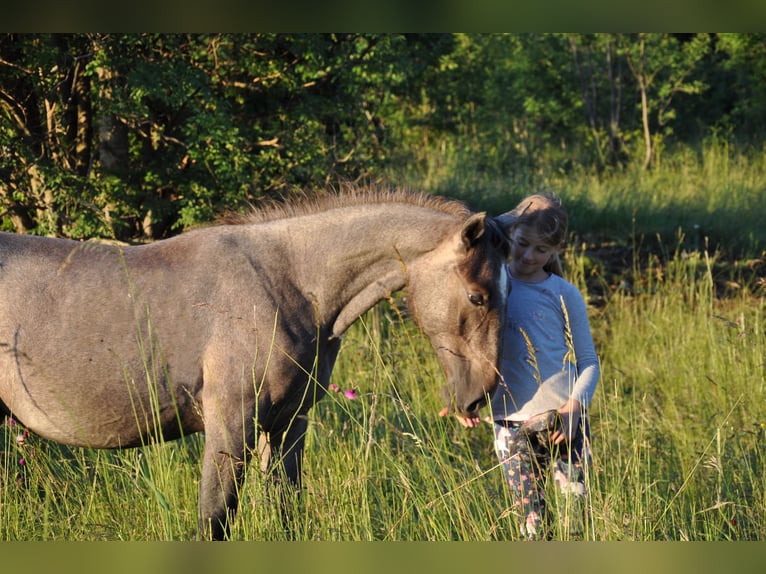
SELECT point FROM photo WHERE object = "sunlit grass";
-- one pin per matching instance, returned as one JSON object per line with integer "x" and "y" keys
{"x": 713, "y": 190}
{"x": 678, "y": 427}
{"x": 678, "y": 421}
{"x": 679, "y": 415}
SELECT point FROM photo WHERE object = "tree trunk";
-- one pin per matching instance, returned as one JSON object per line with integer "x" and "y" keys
{"x": 615, "y": 102}
{"x": 113, "y": 153}
{"x": 647, "y": 132}
{"x": 588, "y": 98}
{"x": 83, "y": 131}
{"x": 643, "y": 87}
{"x": 112, "y": 145}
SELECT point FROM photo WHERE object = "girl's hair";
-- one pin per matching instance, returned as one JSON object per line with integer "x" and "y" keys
{"x": 544, "y": 213}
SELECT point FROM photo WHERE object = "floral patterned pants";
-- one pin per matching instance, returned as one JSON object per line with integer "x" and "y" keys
{"x": 526, "y": 474}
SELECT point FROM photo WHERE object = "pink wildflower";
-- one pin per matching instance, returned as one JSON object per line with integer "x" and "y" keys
{"x": 334, "y": 388}
{"x": 350, "y": 394}
{"x": 21, "y": 438}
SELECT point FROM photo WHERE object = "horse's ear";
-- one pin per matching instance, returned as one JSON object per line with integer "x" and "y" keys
{"x": 473, "y": 229}
{"x": 479, "y": 224}
{"x": 506, "y": 221}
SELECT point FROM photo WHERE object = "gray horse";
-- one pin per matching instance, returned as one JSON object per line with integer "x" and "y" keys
{"x": 234, "y": 329}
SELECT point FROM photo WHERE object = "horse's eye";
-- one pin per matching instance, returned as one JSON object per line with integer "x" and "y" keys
{"x": 476, "y": 299}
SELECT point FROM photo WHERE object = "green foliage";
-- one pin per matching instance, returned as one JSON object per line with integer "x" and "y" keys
{"x": 138, "y": 136}
{"x": 742, "y": 60}
{"x": 166, "y": 131}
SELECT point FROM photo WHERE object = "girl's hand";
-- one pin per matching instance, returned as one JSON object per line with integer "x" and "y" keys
{"x": 468, "y": 422}
{"x": 570, "y": 418}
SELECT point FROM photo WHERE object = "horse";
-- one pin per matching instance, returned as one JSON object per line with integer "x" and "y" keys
{"x": 233, "y": 329}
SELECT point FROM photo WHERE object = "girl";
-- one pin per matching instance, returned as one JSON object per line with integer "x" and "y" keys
{"x": 549, "y": 366}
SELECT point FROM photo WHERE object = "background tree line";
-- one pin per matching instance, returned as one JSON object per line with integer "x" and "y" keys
{"x": 138, "y": 136}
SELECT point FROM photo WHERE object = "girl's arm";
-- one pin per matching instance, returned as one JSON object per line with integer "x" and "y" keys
{"x": 588, "y": 368}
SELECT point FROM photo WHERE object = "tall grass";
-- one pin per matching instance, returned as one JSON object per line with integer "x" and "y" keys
{"x": 678, "y": 421}
{"x": 716, "y": 191}
{"x": 678, "y": 426}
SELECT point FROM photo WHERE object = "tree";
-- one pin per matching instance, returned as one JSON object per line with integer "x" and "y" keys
{"x": 139, "y": 135}
{"x": 45, "y": 129}
{"x": 744, "y": 61}
{"x": 662, "y": 66}
{"x": 602, "y": 79}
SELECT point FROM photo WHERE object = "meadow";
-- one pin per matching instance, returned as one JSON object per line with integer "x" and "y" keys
{"x": 673, "y": 265}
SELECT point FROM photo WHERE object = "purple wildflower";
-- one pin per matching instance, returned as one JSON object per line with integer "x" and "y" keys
{"x": 350, "y": 394}
{"x": 22, "y": 461}
{"x": 11, "y": 421}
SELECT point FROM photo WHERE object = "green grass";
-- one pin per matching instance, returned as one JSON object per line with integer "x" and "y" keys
{"x": 716, "y": 192}
{"x": 678, "y": 426}
{"x": 679, "y": 412}
{"x": 678, "y": 421}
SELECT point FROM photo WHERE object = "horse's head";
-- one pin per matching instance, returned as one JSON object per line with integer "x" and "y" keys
{"x": 458, "y": 296}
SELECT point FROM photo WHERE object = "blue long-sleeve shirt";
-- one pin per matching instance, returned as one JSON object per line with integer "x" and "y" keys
{"x": 548, "y": 351}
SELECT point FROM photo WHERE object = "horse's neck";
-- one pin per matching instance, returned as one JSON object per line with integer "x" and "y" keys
{"x": 350, "y": 263}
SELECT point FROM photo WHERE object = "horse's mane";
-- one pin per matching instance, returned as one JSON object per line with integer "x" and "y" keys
{"x": 306, "y": 203}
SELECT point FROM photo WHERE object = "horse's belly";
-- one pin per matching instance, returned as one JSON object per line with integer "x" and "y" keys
{"x": 83, "y": 421}
{"x": 98, "y": 399}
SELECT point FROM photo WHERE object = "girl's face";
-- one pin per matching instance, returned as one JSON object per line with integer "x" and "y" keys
{"x": 529, "y": 254}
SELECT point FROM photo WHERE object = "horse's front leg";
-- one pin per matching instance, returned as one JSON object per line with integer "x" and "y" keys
{"x": 227, "y": 448}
